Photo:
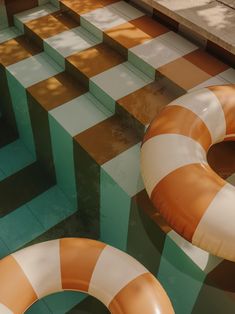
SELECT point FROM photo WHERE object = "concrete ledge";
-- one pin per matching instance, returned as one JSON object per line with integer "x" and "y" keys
{"x": 209, "y": 22}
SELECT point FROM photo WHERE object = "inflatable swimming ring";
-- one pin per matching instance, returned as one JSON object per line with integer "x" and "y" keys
{"x": 110, "y": 275}
{"x": 193, "y": 199}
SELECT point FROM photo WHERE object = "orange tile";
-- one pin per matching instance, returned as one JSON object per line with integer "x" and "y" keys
{"x": 184, "y": 73}
{"x": 150, "y": 26}
{"x": 16, "y": 49}
{"x": 136, "y": 32}
{"x": 95, "y": 60}
{"x": 107, "y": 139}
{"x": 147, "y": 102}
{"x": 85, "y": 6}
{"x": 51, "y": 25}
{"x": 56, "y": 91}
{"x": 206, "y": 62}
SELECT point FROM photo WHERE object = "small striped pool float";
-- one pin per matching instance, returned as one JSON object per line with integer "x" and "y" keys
{"x": 110, "y": 275}
{"x": 196, "y": 202}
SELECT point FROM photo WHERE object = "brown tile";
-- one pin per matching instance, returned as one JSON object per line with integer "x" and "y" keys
{"x": 222, "y": 277}
{"x": 206, "y": 62}
{"x": 85, "y": 6}
{"x": 145, "y": 204}
{"x": 95, "y": 60}
{"x": 146, "y": 103}
{"x": 13, "y": 7}
{"x": 221, "y": 158}
{"x": 136, "y": 32}
{"x": 150, "y": 26}
{"x": 166, "y": 20}
{"x": 184, "y": 73}
{"x": 51, "y": 25}
{"x": 221, "y": 53}
{"x": 17, "y": 49}
{"x": 56, "y": 91}
{"x": 107, "y": 139}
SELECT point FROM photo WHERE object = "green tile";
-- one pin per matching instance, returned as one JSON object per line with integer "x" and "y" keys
{"x": 181, "y": 278}
{"x": 51, "y": 207}
{"x": 114, "y": 212}
{"x": 4, "y": 250}
{"x": 54, "y": 54}
{"x": 20, "y": 106}
{"x": 103, "y": 97}
{"x": 19, "y": 227}
{"x": 92, "y": 29}
{"x": 38, "y": 308}
{"x": 62, "y": 147}
{"x": 141, "y": 65}
{"x": 62, "y": 302}
{"x": 14, "y": 157}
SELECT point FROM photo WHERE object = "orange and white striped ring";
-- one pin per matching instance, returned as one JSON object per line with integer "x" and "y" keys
{"x": 110, "y": 275}
{"x": 194, "y": 200}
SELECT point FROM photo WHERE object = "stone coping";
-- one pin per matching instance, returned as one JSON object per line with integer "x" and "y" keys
{"x": 213, "y": 20}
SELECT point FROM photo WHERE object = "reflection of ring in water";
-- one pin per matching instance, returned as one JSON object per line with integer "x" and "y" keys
{"x": 194, "y": 200}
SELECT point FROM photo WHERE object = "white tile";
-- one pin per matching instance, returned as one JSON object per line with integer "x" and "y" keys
{"x": 125, "y": 170}
{"x": 80, "y": 114}
{"x": 128, "y": 77}
{"x": 127, "y": 10}
{"x": 34, "y": 69}
{"x": 179, "y": 42}
{"x": 204, "y": 260}
{"x": 112, "y": 15}
{"x": 74, "y": 40}
{"x": 216, "y": 80}
{"x": 9, "y": 33}
{"x": 156, "y": 52}
{"x": 32, "y": 14}
{"x": 228, "y": 75}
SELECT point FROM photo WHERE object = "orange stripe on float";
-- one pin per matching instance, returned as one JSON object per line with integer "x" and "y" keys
{"x": 143, "y": 295}
{"x": 10, "y": 295}
{"x": 180, "y": 120}
{"x": 226, "y": 96}
{"x": 78, "y": 259}
{"x": 184, "y": 195}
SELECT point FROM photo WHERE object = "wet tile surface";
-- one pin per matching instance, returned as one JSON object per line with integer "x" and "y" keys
{"x": 107, "y": 139}
{"x": 147, "y": 102}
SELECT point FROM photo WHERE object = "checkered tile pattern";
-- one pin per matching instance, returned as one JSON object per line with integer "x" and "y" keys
{"x": 82, "y": 84}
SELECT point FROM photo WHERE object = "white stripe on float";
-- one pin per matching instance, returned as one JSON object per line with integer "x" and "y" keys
{"x": 113, "y": 271}
{"x": 162, "y": 154}
{"x": 4, "y": 309}
{"x": 205, "y": 105}
{"x": 216, "y": 232}
{"x": 41, "y": 265}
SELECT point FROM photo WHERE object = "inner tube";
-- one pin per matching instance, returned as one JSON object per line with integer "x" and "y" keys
{"x": 196, "y": 202}
{"x": 110, "y": 275}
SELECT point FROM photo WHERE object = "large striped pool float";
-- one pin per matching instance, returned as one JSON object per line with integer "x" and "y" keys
{"x": 194, "y": 200}
{"x": 110, "y": 275}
